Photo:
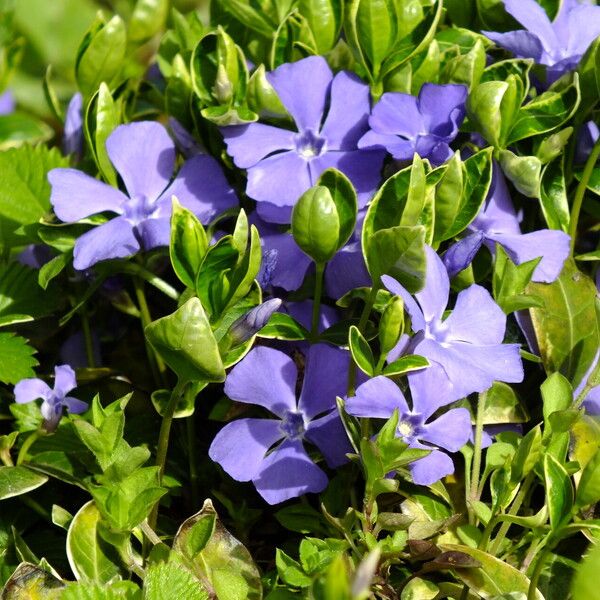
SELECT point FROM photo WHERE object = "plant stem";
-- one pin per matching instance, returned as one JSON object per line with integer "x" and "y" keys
{"x": 537, "y": 571}
{"x": 364, "y": 317}
{"x": 27, "y": 445}
{"x": 154, "y": 280}
{"x": 190, "y": 424}
{"x": 163, "y": 442}
{"x": 514, "y": 509}
{"x": 580, "y": 192}
{"x": 316, "y": 310}
{"x": 157, "y": 365}
{"x": 476, "y": 464}
{"x": 150, "y": 534}
{"x": 87, "y": 336}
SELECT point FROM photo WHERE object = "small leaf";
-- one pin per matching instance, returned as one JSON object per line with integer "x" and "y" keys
{"x": 406, "y": 364}
{"x": 16, "y": 358}
{"x": 559, "y": 492}
{"x": 588, "y": 490}
{"x": 15, "y": 481}
{"x": 361, "y": 351}
{"x": 282, "y": 326}
{"x": 179, "y": 582}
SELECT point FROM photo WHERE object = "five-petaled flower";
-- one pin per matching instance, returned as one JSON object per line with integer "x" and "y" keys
{"x": 558, "y": 44}
{"x": 54, "y": 399}
{"x": 282, "y": 164}
{"x": 267, "y": 378}
{"x": 380, "y": 397}
{"x": 144, "y": 156}
{"x": 405, "y": 124}
{"x": 497, "y": 223}
{"x": 467, "y": 344}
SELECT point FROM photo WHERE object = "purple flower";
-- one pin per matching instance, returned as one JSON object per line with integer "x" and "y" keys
{"x": 302, "y": 312}
{"x": 73, "y": 130}
{"x": 253, "y": 321}
{"x": 267, "y": 378}
{"x": 586, "y": 138}
{"x": 144, "y": 156}
{"x": 54, "y": 400}
{"x": 285, "y": 265}
{"x": 405, "y": 124}
{"x": 330, "y": 114}
{"x": 7, "y": 103}
{"x": 379, "y": 397}
{"x": 558, "y": 44}
{"x": 467, "y": 345}
{"x": 497, "y": 222}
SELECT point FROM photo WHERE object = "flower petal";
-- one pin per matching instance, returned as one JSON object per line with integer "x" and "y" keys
{"x": 533, "y": 18}
{"x": 73, "y": 130}
{"x": 114, "y": 239}
{"x": 416, "y": 314}
{"x": 443, "y": 108}
{"x": 584, "y": 28}
{"x": 433, "y": 298}
{"x": 325, "y": 377}
{"x": 346, "y": 271}
{"x": 302, "y": 312}
{"x": 522, "y": 44}
{"x": 430, "y": 389}
{"x": 377, "y": 398}
{"x": 64, "y": 380}
{"x": 28, "y": 390}
{"x": 431, "y": 468}
{"x": 153, "y": 233}
{"x": 248, "y": 144}
{"x": 75, "y": 406}
{"x": 329, "y": 436}
{"x": 280, "y": 179}
{"x": 348, "y": 115}
{"x": 202, "y": 187}
{"x": 303, "y": 87}
{"x": 399, "y": 148}
{"x": 288, "y": 472}
{"x": 397, "y": 113}
{"x": 265, "y": 377}
{"x": 476, "y": 318}
{"x": 240, "y": 447}
{"x": 76, "y": 195}
{"x": 461, "y": 254}
{"x": 144, "y": 156}
{"x": 553, "y": 246}
{"x": 450, "y": 430}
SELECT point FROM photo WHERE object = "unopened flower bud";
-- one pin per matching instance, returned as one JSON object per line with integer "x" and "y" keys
{"x": 252, "y": 322}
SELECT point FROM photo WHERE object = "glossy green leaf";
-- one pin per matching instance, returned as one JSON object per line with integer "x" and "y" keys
{"x": 523, "y": 171}
{"x": 566, "y": 327}
{"x": 494, "y": 578}
{"x": 559, "y": 492}
{"x": 89, "y": 557}
{"x": 325, "y": 20}
{"x": 19, "y": 128}
{"x": 484, "y": 107}
{"x": 16, "y": 358}
{"x": 188, "y": 244}
{"x": 391, "y": 325}
{"x": 466, "y": 68}
{"x": 500, "y": 404}
{"x": 254, "y": 19}
{"x": 361, "y": 351}
{"x": 186, "y": 342}
{"x": 554, "y": 200}
{"x": 419, "y": 589}
{"x": 406, "y": 364}
{"x": 147, "y": 19}
{"x": 283, "y": 327}
{"x": 15, "y": 481}
{"x": 223, "y": 560}
{"x": 101, "y": 54}
{"x": 588, "y": 490}
{"x": 398, "y": 252}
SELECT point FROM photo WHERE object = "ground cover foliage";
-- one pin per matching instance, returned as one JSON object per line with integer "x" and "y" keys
{"x": 299, "y": 299}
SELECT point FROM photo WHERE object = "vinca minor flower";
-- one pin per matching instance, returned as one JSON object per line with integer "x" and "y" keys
{"x": 404, "y": 124}
{"x": 330, "y": 114}
{"x": 54, "y": 399}
{"x": 558, "y": 44}
{"x": 144, "y": 156}
{"x": 467, "y": 344}
{"x": 497, "y": 222}
{"x": 246, "y": 448}
{"x": 379, "y": 397}
{"x": 73, "y": 130}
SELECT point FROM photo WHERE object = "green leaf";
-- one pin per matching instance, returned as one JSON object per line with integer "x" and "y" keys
{"x": 523, "y": 171}
{"x": 188, "y": 244}
{"x": 101, "y": 54}
{"x": 186, "y": 342}
{"x": 24, "y": 189}
{"x": 500, "y": 404}
{"x": 585, "y": 584}
{"x": 419, "y": 589}
{"x": 53, "y": 268}
{"x": 466, "y": 68}
{"x": 148, "y": 19}
{"x": 255, "y": 20}
{"x": 554, "y": 202}
{"x": 391, "y": 325}
{"x": 494, "y": 578}
{"x": 223, "y": 560}
{"x": 30, "y": 582}
{"x": 290, "y": 571}
{"x": 164, "y": 580}
{"x": 398, "y": 252}
{"x": 376, "y": 29}
{"x": 406, "y": 364}
{"x": 15, "y": 481}
{"x": 89, "y": 557}
{"x": 117, "y": 590}
{"x": 485, "y": 109}
{"x": 588, "y": 490}
{"x": 566, "y": 328}
{"x": 361, "y": 351}
{"x": 283, "y": 327}
{"x": 16, "y": 358}
{"x": 324, "y": 18}
{"x": 19, "y": 128}
{"x": 323, "y": 219}
{"x": 546, "y": 112}
{"x": 559, "y": 492}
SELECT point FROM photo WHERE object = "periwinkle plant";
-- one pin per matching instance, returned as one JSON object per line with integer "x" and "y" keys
{"x": 259, "y": 230}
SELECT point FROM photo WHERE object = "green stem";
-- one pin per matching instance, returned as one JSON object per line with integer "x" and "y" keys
{"x": 514, "y": 509}
{"x": 316, "y": 311}
{"x": 22, "y": 456}
{"x": 159, "y": 369}
{"x": 150, "y": 533}
{"x": 163, "y": 442}
{"x": 87, "y": 336}
{"x": 36, "y": 507}
{"x": 154, "y": 280}
{"x": 476, "y": 464}
{"x": 190, "y": 424}
{"x": 580, "y": 192}
{"x": 537, "y": 571}
{"x": 364, "y": 317}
